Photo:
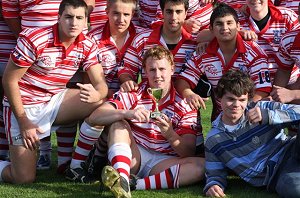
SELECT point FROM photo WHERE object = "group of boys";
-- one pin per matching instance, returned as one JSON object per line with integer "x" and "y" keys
{"x": 151, "y": 130}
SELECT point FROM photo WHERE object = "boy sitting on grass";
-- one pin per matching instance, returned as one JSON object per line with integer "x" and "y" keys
{"x": 249, "y": 139}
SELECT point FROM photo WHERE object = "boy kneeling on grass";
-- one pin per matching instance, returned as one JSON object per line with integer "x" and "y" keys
{"x": 249, "y": 139}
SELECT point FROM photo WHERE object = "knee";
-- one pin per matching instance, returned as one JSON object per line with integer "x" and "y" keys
{"x": 199, "y": 167}
{"x": 23, "y": 177}
{"x": 288, "y": 185}
{"x": 28, "y": 179}
{"x": 119, "y": 127}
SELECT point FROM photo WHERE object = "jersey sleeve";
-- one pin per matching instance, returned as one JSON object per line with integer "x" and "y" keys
{"x": 10, "y": 9}
{"x": 191, "y": 71}
{"x": 91, "y": 55}
{"x": 283, "y": 59}
{"x": 188, "y": 124}
{"x": 123, "y": 100}
{"x": 259, "y": 70}
{"x": 25, "y": 52}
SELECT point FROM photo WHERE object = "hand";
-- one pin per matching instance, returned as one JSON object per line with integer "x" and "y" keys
{"x": 88, "y": 93}
{"x": 140, "y": 114}
{"x": 128, "y": 86}
{"x": 165, "y": 125}
{"x": 195, "y": 101}
{"x": 215, "y": 191}
{"x": 206, "y": 1}
{"x": 254, "y": 115}
{"x": 29, "y": 132}
{"x": 281, "y": 94}
{"x": 248, "y": 35}
{"x": 201, "y": 47}
{"x": 192, "y": 25}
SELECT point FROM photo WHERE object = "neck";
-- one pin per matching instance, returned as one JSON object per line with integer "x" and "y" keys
{"x": 171, "y": 37}
{"x": 166, "y": 93}
{"x": 119, "y": 38}
{"x": 66, "y": 41}
{"x": 228, "y": 47}
{"x": 259, "y": 15}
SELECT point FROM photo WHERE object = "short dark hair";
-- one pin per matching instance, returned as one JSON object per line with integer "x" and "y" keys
{"x": 236, "y": 82}
{"x": 162, "y": 3}
{"x": 158, "y": 52}
{"x": 74, "y": 4}
{"x": 222, "y": 10}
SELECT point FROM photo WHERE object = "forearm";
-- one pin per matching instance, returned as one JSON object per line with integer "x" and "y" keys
{"x": 106, "y": 115}
{"x": 102, "y": 89}
{"x": 14, "y": 25}
{"x": 282, "y": 77}
{"x": 259, "y": 95}
{"x": 12, "y": 92}
{"x": 205, "y": 36}
{"x": 183, "y": 87}
{"x": 124, "y": 77}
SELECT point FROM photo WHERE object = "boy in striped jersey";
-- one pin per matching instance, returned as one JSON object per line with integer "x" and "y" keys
{"x": 113, "y": 39}
{"x": 169, "y": 34}
{"x": 160, "y": 151}
{"x": 248, "y": 138}
{"x": 35, "y": 80}
{"x": 287, "y": 57}
{"x": 22, "y": 14}
{"x": 227, "y": 51}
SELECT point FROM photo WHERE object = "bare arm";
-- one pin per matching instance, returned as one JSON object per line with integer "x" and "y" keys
{"x": 14, "y": 25}
{"x": 282, "y": 77}
{"x": 193, "y": 99}
{"x": 258, "y": 95}
{"x": 91, "y": 5}
{"x": 127, "y": 83}
{"x": 28, "y": 130}
{"x": 96, "y": 76}
{"x": 107, "y": 114}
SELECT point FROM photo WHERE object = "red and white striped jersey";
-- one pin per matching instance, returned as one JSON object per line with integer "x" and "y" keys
{"x": 150, "y": 11}
{"x": 289, "y": 50}
{"x": 291, "y": 4}
{"x": 34, "y": 13}
{"x": 147, "y": 12}
{"x": 249, "y": 57}
{"x": 234, "y": 3}
{"x": 150, "y": 38}
{"x": 282, "y": 20}
{"x": 110, "y": 57}
{"x": 7, "y": 42}
{"x": 147, "y": 134}
{"x": 98, "y": 17}
{"x": 50, "y": 64}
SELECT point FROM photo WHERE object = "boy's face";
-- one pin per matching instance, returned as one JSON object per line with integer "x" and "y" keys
{"x": 225, "y": 28}
{"x": 159, "y": 73}
{"x": 257, "y": 6}
{"x": 71, "y": 22}
{"x": 119, "y": 15}
{"x": 174, "y": 16}
{"x": 233, "y": 107}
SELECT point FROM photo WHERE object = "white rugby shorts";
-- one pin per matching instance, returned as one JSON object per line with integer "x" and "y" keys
{"x": 42, "y": 115}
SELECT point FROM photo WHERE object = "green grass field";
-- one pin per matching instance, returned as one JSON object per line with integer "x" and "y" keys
{"x": 50, "y": 184}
